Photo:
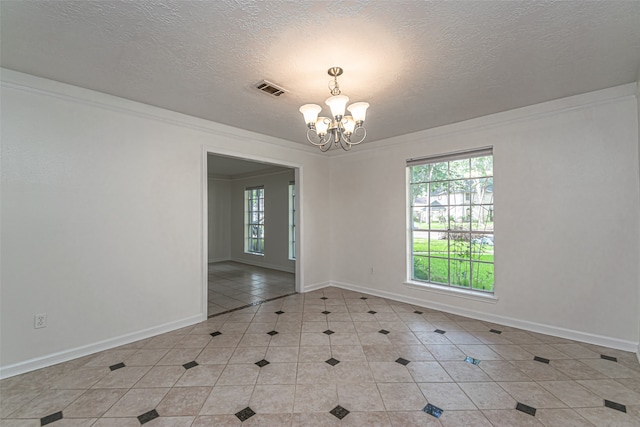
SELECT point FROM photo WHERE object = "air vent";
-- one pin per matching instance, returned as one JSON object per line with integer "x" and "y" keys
{"x": 270, "y": 88}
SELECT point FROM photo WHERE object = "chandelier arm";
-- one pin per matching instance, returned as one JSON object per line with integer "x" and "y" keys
{"x": 364, "y": 135}
{"x": 322, "y": 141}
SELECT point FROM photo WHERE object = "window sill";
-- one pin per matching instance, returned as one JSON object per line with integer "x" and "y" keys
{"x": 458, "y": 293}
{"x": 254, "y": 253}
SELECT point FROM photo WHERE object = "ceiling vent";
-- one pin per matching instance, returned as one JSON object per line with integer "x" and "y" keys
{"x": 270, "y": 88}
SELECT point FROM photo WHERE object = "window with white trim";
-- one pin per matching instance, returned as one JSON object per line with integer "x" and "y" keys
{"x": 292, "y": 220}
{"x": 451, "y": 220}
{"x": 254, "y": 220}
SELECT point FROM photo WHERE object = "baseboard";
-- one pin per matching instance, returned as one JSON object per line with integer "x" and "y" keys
{"x": 502, "y": 320}
{"x": 265, "y": 265}
{"x": 315, "y": 286}
{"x": 67, "y": 355}
{"x": 218, "y": 259}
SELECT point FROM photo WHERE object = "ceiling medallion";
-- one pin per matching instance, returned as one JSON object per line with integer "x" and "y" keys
{"x": 340, "y": 130}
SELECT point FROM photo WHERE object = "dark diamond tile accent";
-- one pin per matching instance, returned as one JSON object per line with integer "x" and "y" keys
{"x": 339, "y": 412}
{"x": 324, "y": 298}
{"x": 372, "y": 312}
{"x": 402, "y": 361}
{"x": 148, "y": 416}
{"x": 617, "y": 406}
{"x": 272, "y": 333}
{"x": 417, "y": 312}
{"x": 605, "y": 357}
{"x": 384, "y": 331}
{"x": 245, "y": 414}
{"x": 472, "y": 360}
{"x": 51, "y": 418}
{"x": 332, "y": 361}
{"x": 541, "y": 359}
{"x": 328, "y": 332}
{"x": 326, "y": 312}
{"x": 440, "y": 331}
{"x": 262, "y": 363}
{"x": 279, "y": 312}
{"x": 190, "y": 365}
{"x": 364, "y": 298}
{"x": 495, "y": 331}
{"x": 526, "y": 409}
{"x": 215, "y": 334}
{"x": 116, "y": 366}
{"x": 433, "y": 410}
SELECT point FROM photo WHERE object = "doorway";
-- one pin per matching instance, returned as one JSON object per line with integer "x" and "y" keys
{"x": 240, "y": 273}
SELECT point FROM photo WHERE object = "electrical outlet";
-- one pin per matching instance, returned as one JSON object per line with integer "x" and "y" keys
{"x": 40, "y": 321}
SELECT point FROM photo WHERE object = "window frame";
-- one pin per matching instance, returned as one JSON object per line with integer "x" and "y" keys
{"x": 254, "y": 197}
{"x": 470, "y": 235}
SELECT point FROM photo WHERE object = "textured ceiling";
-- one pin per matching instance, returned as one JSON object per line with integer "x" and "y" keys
{"x": 419, "y": 64}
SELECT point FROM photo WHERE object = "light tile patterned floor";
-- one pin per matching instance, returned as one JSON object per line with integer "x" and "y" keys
{"x": 333, "y": 357}
{"x": 233, "y": 285}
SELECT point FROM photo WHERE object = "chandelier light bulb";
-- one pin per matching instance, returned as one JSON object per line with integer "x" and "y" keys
{"x": 359, "y": 111}
{"x": 337, "y": 104}
{"x": 310, "y": 113}
{"x": 322, "y": 124}
{"x": 349, "y": 125}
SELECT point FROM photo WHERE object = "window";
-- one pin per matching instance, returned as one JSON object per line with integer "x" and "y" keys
{"x": 451, "y": 217}
{"x": 254, "y": 220}
{"x": 292, "y": 220}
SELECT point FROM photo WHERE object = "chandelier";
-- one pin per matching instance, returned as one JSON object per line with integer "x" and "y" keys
{"x": 337, "y": 130}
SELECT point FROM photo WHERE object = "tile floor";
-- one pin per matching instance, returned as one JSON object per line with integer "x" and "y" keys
{"x": 333, "y": 357}
{"x": 233, "y": 285}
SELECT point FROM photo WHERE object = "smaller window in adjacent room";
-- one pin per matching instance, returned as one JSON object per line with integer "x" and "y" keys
{"x": 292, "y": 220}
{"x": 254, "y": 220}
{"x": 451, "y": 220}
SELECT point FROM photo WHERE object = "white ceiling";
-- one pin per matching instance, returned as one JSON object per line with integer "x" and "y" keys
{"x": 419, "y": 64}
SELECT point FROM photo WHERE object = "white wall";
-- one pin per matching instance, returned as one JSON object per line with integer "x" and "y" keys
{"x": 566, "y": 215}
{"x": 219, "y": 214}
{"x": 276, "y": 200}
{"x": 103, "y": 225}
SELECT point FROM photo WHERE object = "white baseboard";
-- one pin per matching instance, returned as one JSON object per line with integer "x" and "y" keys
{"x": 219, "y": 259}
{"x": 265, "y": 265}
{"x": 315, "y": 286}
{"x": 74, "y": 353}
{"x": 502, "y": 320}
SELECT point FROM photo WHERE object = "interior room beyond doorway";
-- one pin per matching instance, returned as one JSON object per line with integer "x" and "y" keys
{"x": 251, "y": 232}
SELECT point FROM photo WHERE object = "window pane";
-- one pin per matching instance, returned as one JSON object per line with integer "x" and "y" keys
{"x": 439, "y": 270}
{"x": 420, "y": 242}
{"x": 438, "y": 244}
{"x": 420, "y": 194}
{"x": 482, "y": 247}
{"x": 459, "y": 169}
{"x": 420, "y": 173}
{"x": 460, "y": 273}
{"x": 421, "y": 268}
{"x": 420, "y": 218}
{"x": 482, "y": 218}
{"x": 482, "y": 276}
{"x": 481, "y": 166}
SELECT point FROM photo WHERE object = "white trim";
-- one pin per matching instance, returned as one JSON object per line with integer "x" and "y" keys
{"x": 316, "y": 286}
{"x": 536, "y": 111}
{"x": 452, "y": 291}
{"x": 28, "y": 83}
{"x": 501, "y": 320}
{"x": 85, "y": 350}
